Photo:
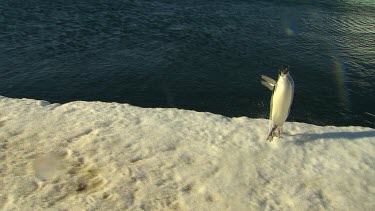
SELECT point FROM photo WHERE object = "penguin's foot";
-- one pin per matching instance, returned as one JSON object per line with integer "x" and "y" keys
{"x": 272, "y": 134}
{"x": 280, "y": 132}
{"x": 270, "y": 137}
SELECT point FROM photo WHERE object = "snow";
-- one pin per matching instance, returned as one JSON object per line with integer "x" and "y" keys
{"x": 95, "y": 155}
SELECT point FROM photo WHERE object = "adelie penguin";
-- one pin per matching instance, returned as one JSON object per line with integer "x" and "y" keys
{"x": 281, "y": 101}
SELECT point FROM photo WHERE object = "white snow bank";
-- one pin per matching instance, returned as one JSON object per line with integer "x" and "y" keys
{"x": 94, "y": 155}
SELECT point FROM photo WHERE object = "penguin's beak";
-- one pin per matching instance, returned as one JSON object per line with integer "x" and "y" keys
{"x": 284, "y": 70}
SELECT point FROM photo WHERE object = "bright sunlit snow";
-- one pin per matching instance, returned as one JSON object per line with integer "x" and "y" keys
{"x": 94, "y": 155}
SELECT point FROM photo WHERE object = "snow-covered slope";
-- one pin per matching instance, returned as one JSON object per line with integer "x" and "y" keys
{"x": 94, "y": 155}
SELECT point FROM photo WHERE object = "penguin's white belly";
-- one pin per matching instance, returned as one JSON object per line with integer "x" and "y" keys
{"x": 281, "y": 102}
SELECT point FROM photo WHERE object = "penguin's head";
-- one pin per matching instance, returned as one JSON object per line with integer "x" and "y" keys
{"x": 284, "y": 70}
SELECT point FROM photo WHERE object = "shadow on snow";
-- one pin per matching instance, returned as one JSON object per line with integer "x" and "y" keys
{"x": 306, "y": 137}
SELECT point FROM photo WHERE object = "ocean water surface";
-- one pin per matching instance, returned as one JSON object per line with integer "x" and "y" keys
{"x": 198, "y": 55}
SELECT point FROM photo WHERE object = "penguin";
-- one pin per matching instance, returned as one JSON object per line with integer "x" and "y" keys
{"x": 281, "y": 100}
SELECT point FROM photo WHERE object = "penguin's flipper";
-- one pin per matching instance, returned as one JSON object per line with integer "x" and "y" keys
{"x": 269, "y": 86}
{"x": 268, "y": 79}
{"x": 268, "y": 82}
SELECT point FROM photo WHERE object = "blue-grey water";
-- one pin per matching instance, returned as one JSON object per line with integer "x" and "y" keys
{"x": 201, "y": 55}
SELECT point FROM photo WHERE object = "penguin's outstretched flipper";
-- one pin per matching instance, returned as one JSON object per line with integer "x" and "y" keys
{"x": 268, "y": 82}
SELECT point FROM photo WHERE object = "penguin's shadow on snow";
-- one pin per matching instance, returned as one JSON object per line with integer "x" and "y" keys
{"x": 303, "y": 138}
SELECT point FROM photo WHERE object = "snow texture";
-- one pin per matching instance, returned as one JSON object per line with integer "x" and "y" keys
{"x": 100, "y": 156}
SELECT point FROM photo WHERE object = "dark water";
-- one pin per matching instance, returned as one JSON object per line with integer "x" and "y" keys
{"x": 199, "y": 55}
